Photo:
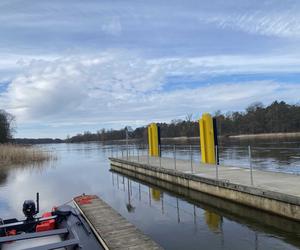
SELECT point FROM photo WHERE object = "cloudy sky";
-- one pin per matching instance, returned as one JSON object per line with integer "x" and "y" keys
{"x": 67, "y": 66}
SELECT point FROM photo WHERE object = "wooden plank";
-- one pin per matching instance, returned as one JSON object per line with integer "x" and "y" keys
{"x": 114, "y": 231}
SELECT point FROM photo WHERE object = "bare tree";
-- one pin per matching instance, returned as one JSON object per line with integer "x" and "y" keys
{"x": 7, "y": 127}
{"x": 189, "y": 117}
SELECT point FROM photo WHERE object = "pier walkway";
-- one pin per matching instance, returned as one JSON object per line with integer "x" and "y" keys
{"x": 272, "y": 181}
{"x": 274, "y": 192}
{"x": 112, "y": 230}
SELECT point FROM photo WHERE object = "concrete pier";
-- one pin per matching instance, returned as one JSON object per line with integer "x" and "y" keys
{"x": 277, "y": 193}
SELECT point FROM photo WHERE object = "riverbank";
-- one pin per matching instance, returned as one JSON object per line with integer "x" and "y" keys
{"x": 11, "y": 154}
{"x": 179, "y": 139}
{"x": 242, "y": 136}
{"x": 267, "y": 136}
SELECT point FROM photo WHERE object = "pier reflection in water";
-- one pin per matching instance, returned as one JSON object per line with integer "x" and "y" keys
{"x": 208, "y": 226}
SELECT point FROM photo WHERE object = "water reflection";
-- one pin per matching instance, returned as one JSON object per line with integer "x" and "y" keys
{"x": 155, "y": 194}
{"x": 270, "y": 159}
{"x": 175, "y": 218}
{"x": 250, "y": 228}
{"x": 3, "y": 176}
{"x": 129, "y": 207}
{"x": 213, "y": 221}
{"x": 40, "y": 167}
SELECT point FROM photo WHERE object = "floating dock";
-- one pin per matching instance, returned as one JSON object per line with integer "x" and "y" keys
{"x": 276, "y": 193}
{"x": 110, "y": 228}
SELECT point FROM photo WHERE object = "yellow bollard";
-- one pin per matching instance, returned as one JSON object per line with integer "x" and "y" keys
{"x": 207, "y": 140}
{"x": 150, "y": 140}
{"x": 153, "y": 140}
{"x": 202, "y": 140}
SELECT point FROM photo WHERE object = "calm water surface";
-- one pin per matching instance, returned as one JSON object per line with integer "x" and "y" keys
{"x": 172, "y": 221}
{"x": 268, "y": 155}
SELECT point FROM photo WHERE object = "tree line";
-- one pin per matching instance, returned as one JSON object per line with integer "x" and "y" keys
{"x": 277, "y": 117}
{"x": 257, "y": 118}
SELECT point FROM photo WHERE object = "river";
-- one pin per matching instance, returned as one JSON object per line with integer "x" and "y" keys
{"x": 172, "y": 221}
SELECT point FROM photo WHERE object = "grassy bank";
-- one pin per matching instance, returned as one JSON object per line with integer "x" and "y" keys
{"x": 14, "y": 154}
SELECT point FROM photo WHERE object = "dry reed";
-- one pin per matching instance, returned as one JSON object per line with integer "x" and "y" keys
{"x": 11, "y": 154}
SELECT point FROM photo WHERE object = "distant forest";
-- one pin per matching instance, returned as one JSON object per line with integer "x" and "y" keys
{"x": 277, "y": 117}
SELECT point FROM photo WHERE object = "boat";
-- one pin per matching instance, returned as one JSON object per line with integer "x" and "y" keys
{"x": 62, "y": 228}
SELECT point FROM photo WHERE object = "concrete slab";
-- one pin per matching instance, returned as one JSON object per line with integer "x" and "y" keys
{"x": 276, "y": 193}
{"x": 273, "y": 181}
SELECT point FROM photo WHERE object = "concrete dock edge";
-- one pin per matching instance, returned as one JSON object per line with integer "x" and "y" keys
{"x": 273, "y": 202}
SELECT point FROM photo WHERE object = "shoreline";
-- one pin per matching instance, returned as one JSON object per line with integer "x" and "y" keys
{"x": 266, "y": 136}
{"x": 284, "y": 135}
{"x": 243, "y": 136}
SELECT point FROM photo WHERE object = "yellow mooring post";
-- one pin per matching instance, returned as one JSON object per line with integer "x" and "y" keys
{"x": 207, "y": 140}
{"x": 153, "y": 140}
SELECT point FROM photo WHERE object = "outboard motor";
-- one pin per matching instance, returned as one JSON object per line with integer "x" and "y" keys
{"x": 29, "y": 208}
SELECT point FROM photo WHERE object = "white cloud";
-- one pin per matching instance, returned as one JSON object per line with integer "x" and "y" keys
{"x": 227, "y": 64}
{"x": 74, "y": 85}
{"x": 281, "y": 23}
{"x": 115, "y": 89}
